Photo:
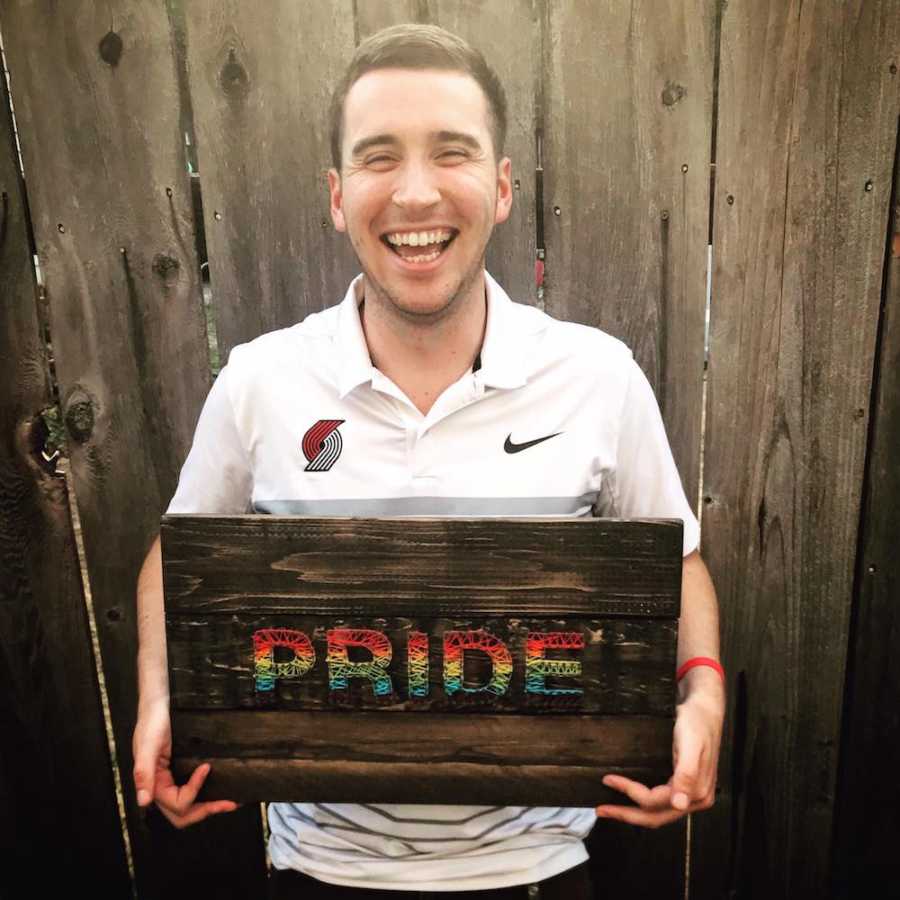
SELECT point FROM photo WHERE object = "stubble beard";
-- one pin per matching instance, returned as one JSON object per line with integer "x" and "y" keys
{"x": 377, "y": 294}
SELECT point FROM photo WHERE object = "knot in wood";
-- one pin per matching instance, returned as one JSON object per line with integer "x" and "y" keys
{"x": 672, "y": 93}
{"x": 234, "y": 78}
{"x": 110, "y": 48}
{"x": 80, "y": 419}
{"x": 165, "y": 265}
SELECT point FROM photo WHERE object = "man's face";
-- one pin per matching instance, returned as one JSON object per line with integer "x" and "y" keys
{"x": 418, "y": 157}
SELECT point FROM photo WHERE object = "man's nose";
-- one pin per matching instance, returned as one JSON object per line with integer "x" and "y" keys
{"x": 416, "y": 186}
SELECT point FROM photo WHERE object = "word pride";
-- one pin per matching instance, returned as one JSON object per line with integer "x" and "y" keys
{"x": 366, "y": 654}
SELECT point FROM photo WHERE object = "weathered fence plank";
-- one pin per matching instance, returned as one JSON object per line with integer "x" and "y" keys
{"x": 627, "y": 115}
{"x": 96, "y": 93}
{"x": 508, "y": 34}
{"x": 867, "y": 831}
{"x": 626, "y": 150}
{"x": 261, "y": 91}
{"x": 804, "y": 165}
{"x": 55, "y": 772}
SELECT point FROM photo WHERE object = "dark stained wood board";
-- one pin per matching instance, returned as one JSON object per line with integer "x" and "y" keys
{"x": 867, "y": 829}
{"x": 570, "y": 740}
{"x": 377, "y": 758}
{"x": 96, "y": 95}
{"x": 508, "y": 34}
{"x": 402, "y": 565}
{"x": 627, "y": 121}
{"x": 55, "y": 770}
{"x": 332, "y": 580}
{"x": 803, "y": 180}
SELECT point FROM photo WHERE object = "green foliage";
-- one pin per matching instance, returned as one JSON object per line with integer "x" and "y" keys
{"x": 55, "y": 441}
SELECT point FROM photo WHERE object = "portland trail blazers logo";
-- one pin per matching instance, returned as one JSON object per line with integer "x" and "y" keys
{"x": 322, "y": 445}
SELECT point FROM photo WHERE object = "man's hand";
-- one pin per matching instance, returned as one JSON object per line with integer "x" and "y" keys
{"x": 152, "y": 748}
{"x": 695, "y": 754}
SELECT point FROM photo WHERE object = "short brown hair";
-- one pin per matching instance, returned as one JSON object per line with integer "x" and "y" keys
{"x": 413, "y": 46}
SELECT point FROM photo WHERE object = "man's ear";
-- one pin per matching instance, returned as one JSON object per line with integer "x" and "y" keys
{"x": 504, "y": 190}
{"x": 337, "y": 199}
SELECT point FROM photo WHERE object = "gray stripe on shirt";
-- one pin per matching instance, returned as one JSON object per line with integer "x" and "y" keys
{"x": 430, "y": 506}
{"x": 355, "y": 826}
{"x": 450, "y": 822}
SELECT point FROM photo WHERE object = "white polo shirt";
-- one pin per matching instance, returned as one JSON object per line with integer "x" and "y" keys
{"x": 557, "y": 419}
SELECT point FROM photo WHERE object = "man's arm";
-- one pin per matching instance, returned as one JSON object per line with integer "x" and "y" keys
{"x": 152, "y": 742}
{"x": 700, "y": 712}
{"x": 153, "y": 675}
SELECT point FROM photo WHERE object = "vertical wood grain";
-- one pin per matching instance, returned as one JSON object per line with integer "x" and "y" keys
{"x": 626, "y": 151}
{"x": 867, "y": 830}
{"x": 55, "y": 770}
{"x": 97, "y": 98}
{"x": 627, "y": 132}
{"x": 261, "y": 87}
{"x": 807, "y": 126}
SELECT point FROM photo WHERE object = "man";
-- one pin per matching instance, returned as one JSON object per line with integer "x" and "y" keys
{"x": 448, "y": 399}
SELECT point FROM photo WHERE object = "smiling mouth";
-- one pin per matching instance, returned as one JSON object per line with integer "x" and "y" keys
{"x": 413, "y": 254}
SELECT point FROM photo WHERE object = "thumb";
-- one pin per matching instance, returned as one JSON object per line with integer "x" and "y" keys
{"x": 146, "y": 757}
{"x": 687, "y": 771}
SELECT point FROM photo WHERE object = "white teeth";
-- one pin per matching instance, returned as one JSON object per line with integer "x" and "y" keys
{"x": 419, "y": 238}
{"x": 423, "y": 257}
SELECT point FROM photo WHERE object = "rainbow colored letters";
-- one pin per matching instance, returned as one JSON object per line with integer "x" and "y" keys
{"x": 377, "y": 651}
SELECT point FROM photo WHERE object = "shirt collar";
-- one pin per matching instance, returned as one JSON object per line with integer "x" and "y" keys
{"x": 502, "y": 352}
{"x": 354, "y": 362}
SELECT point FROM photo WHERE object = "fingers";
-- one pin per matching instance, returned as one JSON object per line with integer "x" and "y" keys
{"x": 695, "y": 749}
{"x": 187, "y": 793}
{"x": 153, "y": 778}
{"x": 654, "y": 805}
{"x": 198, "y": 812}
{"x": 178, "y": 800}
{"x": 178, "y": 804}
{"x": 696, "y": 760}
{"x": 634, "y": 816}
{"x": 647, "y": 798}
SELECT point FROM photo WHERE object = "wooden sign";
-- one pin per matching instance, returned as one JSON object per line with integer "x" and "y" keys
{"x": 509, "y": 661}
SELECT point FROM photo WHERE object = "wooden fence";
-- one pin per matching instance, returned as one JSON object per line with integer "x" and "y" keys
{"x": 639, "y": 133}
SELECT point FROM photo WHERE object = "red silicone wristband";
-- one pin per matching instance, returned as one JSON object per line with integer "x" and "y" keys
{"x": 686, "y": 667}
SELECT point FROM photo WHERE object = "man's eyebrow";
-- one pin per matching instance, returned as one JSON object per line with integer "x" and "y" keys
{"x": 392, "y": 140}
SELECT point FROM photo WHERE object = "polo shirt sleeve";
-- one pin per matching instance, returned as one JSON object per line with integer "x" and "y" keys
{"x": 646, "y": 483}
{"x": 216, "y": 476}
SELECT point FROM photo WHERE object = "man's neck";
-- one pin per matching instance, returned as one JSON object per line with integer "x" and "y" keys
{"x": 424, "y": 360}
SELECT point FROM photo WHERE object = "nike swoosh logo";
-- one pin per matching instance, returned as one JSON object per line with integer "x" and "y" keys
{"x": 510, "y": 447}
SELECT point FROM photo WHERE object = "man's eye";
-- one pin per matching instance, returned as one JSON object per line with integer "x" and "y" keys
{"x": 382, "y": 158}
